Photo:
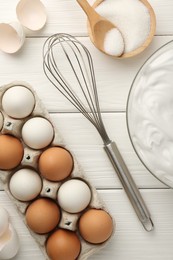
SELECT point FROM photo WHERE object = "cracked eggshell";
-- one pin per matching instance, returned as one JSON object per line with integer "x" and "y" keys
{"x": 31, "y": 14}
{"x": 4, "y": 221}
{"x": 9, "y": 243}
{"x": 12, "y": 37}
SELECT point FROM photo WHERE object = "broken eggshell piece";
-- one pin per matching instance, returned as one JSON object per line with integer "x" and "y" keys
{"x": 12, "y": 37}
{"x": 31, "y": 14}
{"x": 9, "y": 241}
{"x": 4, "y": 221}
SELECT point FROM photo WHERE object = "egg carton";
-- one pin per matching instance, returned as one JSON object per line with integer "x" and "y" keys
{"x": 49, "y": 189}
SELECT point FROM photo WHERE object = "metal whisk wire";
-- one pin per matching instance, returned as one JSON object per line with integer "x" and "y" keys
{"x": 72, "y": 48}
{"x": 79, "y": 60}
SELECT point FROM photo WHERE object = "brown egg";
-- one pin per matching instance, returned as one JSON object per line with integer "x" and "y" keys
{"x": 42, "y": 215}
{"x": 55, "y": 164}
{"x": 63, "y": 245}
{"x": 95, "y": 226}
{"x": 11, "y": 152}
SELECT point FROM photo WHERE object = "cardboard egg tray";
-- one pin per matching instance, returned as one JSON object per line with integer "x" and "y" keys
{"x": 49, "y": 189}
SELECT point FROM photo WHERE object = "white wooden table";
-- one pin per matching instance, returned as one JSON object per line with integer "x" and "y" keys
{"x": 114, "y": 78}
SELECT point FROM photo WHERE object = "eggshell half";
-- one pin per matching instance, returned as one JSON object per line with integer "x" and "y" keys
{"x": 9, "y": 244}
{"x": 11, "y": 37}
{"x": 31, "y": 14}
{"x": 4, "y": 219}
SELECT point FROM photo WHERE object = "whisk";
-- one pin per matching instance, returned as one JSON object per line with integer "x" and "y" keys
{"x": 76, "y": 81}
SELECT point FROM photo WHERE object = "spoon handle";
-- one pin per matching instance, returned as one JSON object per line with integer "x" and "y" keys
{"x": 129, "y": 185}
{"x": 93, "y": 16}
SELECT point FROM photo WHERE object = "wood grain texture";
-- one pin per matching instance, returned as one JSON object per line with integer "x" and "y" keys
{"x": 84, "y": 141}
{"x": 113, "y": 80}
{"x": 67, "y": 16}
{"x": 130, "y": 241}
{"x": 88, "y": 148}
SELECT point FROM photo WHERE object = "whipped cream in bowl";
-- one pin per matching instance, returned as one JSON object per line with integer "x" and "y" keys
{"x": 150, "y": 114}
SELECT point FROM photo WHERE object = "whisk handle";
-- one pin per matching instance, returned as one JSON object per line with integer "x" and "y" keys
{"x": 129, "y": 185}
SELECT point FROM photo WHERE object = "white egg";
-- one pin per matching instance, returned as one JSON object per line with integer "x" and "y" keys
{"x": 1, "y": 121}
{"x": 18, "y": 102}
{"x": 37, "y": 133}
{"x": 74, "y": 196}
{"x": 25, "y": 184}
{"x": 4, "y": 221}
{"x": 9, "y": 244}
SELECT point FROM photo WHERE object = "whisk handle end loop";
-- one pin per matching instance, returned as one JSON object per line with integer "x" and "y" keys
{"x": 129, "y": 185}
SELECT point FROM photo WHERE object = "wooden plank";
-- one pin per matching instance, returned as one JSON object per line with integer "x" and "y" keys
{"x": 86, "y": 144}
{"x": 67, "y": 16}
{"x": 113, "y": 80}
{"x": 130, "y": 240}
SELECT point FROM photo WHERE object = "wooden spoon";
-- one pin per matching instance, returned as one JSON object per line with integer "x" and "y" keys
{"x": 150, "y": 35}
{"x": 99, "y": 27}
